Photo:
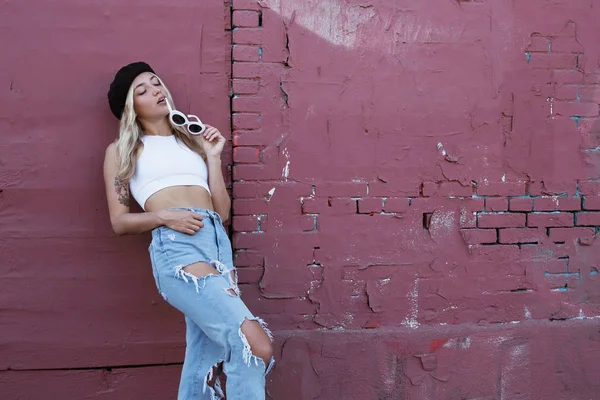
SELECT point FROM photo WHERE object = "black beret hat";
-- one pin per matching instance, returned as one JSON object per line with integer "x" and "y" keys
{"x": 117, "y": 94}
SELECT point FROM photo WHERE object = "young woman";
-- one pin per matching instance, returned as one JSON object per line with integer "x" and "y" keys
{"x": 176, "y": 178}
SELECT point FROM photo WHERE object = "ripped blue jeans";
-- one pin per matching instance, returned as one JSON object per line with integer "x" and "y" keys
{"x": 213, "y": 311}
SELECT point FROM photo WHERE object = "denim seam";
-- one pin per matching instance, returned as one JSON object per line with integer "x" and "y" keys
{"x": 196, "y": 379}
{"x": 155, "y": 268}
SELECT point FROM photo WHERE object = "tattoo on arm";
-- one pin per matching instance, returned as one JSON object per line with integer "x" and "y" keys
{"x": 122, "y": 189}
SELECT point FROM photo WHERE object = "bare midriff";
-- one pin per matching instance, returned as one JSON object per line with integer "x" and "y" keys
{"x": 180, "y": 196}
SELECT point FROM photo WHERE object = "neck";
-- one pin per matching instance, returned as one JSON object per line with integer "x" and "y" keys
{"x": 159, "y": 127}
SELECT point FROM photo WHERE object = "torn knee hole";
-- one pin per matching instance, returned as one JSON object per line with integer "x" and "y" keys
{"x": 200, "y": 269}
{"x": 213, "y": 383}
{"x": 257, "y": 340}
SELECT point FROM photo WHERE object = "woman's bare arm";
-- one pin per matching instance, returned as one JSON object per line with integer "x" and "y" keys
{"x": 216, "y": 182}
{"x": 118, "y": 197}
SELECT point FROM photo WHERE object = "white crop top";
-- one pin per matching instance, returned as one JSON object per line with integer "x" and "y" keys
{"x": 166, "y": 162}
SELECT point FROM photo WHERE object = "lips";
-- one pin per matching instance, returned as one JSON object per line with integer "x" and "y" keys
{"x": 161, "y": 100}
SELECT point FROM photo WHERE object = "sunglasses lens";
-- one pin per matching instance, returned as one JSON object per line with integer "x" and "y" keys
{"x": 194, "y": 128}
{"x": 178, "y": 119}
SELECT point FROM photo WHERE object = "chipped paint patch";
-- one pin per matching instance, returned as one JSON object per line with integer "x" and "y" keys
{"x": 270, "y": 195}
{"x": 285, "y": 173}
{"x": 458, "y": 343}
{"x": 440, "y": 148}
{"x": 337, "y": 23}
{"x": 411, "y": 319}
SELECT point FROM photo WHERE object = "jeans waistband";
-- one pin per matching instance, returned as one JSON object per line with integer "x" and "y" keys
{"x": 203, "y": 211}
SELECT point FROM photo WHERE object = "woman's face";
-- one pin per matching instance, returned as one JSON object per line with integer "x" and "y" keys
{"x": 149, "y": 97}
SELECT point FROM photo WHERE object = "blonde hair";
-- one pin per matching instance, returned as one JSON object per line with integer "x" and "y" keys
{"x": 130, "y": 137}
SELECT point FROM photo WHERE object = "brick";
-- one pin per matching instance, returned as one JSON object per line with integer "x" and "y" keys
{"x": 251, "y": 189}
{"x": 590, "y": 141}
{"x": 589, "y": 188}
{"x": 592, "y": 78}
{"x": 245, "y": 223}
{"x": 566, "y": 282}
{"x": 343, "y": 206}
{"x": 251, "y": 138}
{"x": 408, "y": 188}
{"x": 566, "y": 45}
{"x": 246, "y": 121}
{"x": 591, "y": 203}
{"x": 555, "y": 266}
{"x": 250, "y": 206}
{"x": 589, "y": 94}
{"x": 308, "y": 223}
{"x": 245, "y": 86}
{"x": 327, "y": 206}
{"x": 248, "y": 259}
{"x": 496, "y": 204}
{"x": 313, "y": 205}
{"x": 568, "y": 234}
{"x": 588, "y": 219}
{"x": 246, "y": 104}
{"x": 564, "y": 77}
{"x": 246, "y": 70}
{"x": 589, "y": 126}
{"x": 276, "y": 306}
{"x": 249, "y": 275}
{"x": 501, "y": 220}
{"x": 501, "y": 188}
{"x": 521, "y": 235}
{"x": 367, "y": 206}
{"x": 555, "y": 203}
{"x": 255, "y": 172}
{"x": 245, "y": 53}
{"x": 447, "y": 189}
{"x": 245, "y": 18}
{"x": 553, "y": 61}
{"x": 395, "y": 204}
{"x": 479, "y": 236}
{"x": 567, "y": 92}
{"x": 521, "y": 204}
{"x": 538, "y": 44}
{"x": 247, "y": 36}
{"x": 251, "y": 240}
{"x": 342, "y": 189}
{"x": 246, "y": 155}
{"x": 553, "y": 188}
{"x": 246, "y": 5}
{"x": 546, "y": 220}
{"x": 575, "y": 108}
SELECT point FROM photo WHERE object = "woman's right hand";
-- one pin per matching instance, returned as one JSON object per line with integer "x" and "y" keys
{"x": 181, "y": 220}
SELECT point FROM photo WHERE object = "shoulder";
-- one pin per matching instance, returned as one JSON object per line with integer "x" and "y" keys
{"x": 111, "y": 150}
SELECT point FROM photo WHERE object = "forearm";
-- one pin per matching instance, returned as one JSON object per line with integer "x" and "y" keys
{"x": 134, "y": 223}
{"x": 220, "y": 197}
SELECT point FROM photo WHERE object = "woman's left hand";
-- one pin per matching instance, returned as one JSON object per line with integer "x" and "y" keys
{"x": 212, "y": 141}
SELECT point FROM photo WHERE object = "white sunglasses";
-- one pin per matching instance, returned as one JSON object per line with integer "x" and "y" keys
{"x": 179, "y": 119}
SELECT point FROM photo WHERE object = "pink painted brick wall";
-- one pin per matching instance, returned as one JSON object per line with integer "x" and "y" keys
{"x": 450, "y": 184}
{"x": 415, "y": 195}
